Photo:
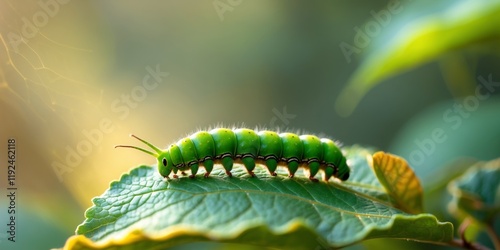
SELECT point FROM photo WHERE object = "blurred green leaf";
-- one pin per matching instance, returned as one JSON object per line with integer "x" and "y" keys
{"x": 142, "y": 209}
{"x": 472, "y": 135}
{"x": 477, "y": 192}
{"x": 400, "y": 181}
{"x": 434, "y": 158}
{"x": 464, "y": 24}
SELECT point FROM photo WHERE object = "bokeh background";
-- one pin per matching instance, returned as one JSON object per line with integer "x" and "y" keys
{"x": 76, "y": 79}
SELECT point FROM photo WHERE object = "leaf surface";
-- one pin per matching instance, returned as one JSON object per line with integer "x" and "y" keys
{"x": 477, "y": 192}
{"x": 144, "y": 210}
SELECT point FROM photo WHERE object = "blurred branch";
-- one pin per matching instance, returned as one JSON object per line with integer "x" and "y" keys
{"x": 494, "y": 237}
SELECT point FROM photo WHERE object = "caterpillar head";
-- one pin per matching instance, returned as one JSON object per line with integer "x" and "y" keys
{"x": 165, "y": 165}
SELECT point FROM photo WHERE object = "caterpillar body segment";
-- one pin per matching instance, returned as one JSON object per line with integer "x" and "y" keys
{"x": 226, "y": 146}
{"x": 247, "y": 148}
{"x": 292, "y": 152}
{"x": 205, "y": 148}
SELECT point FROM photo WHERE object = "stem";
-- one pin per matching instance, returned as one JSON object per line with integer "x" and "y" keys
{"x": 460, "y": 243}
{"x": 493, "y": 236}
{"x": 461, "y": 230}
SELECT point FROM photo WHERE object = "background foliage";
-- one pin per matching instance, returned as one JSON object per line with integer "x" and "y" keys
{"x": 71, "y": 89}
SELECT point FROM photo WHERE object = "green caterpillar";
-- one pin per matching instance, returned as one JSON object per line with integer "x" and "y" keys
{"x": 226, "y": 146}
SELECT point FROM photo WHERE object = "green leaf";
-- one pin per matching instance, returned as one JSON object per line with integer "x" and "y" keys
{"x": 400, "y": 181}
{"x": 144, "y": 210}
{"x": 464, "y": 24}
{"x": 477, "y": 192}
{"x": 437, "y": 158}
{"x": 363, "y": 178}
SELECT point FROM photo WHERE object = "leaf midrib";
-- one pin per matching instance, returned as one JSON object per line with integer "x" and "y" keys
{"x": 264, "y": 192}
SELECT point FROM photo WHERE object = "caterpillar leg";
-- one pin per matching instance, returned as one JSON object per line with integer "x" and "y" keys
{"x": 175, "y": 173}
{"x": 183, "y": 173}
{"x": 292, "y": 168}
{"x": 227, "y": 163}
{"x": 313, "y": 179}
{"x": 328, "y": 173}
{"x": 249, "y": 163}
{"x": 313, "y": 170}
{"x": 194, "y": 170}
{"x": 272, "y": 164}
{"x": 209, "y": 165}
